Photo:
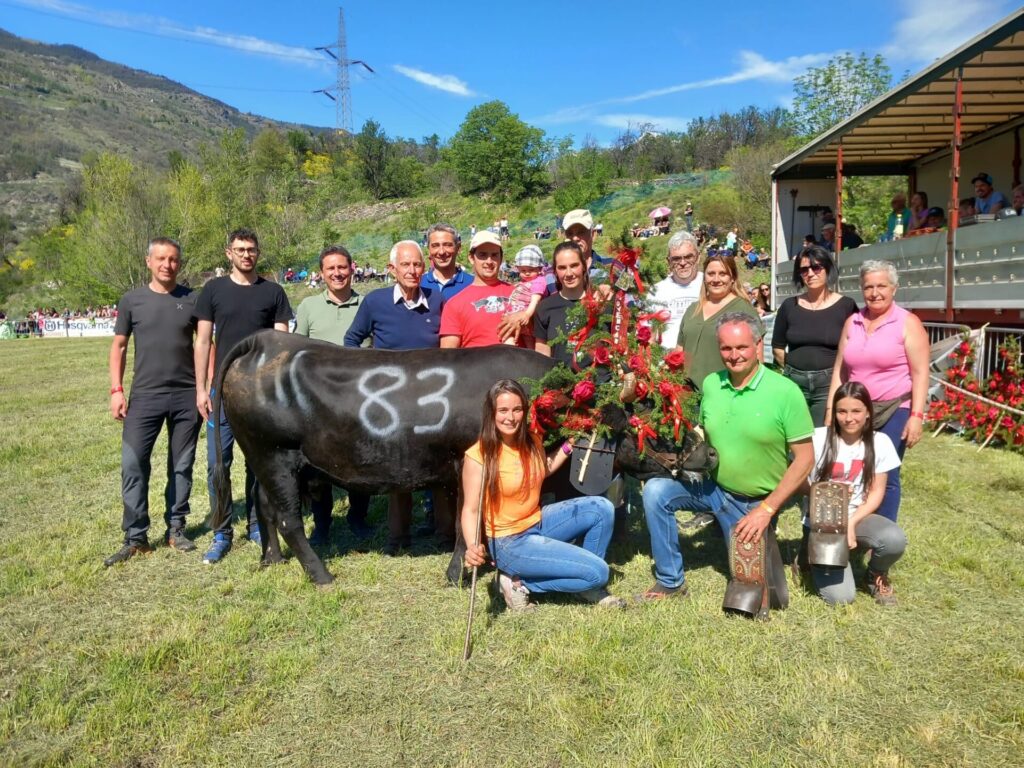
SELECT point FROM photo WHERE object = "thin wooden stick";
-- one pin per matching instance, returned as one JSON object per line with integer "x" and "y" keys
{"x": 987, "y": 440}
{"x": 586, "y": 457}
{"x": 467, "y": 646}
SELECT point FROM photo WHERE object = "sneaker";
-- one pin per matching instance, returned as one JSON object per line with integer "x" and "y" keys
{"x": 127, "y": 552}
{"x": 880, "y": 588}
{"x": 602, "y": 598}
{"x": 178, "y": 541}
{"x": 254, "y": 537}
{"x": 517, "y": 597}
{"x": 698, "y": 521}
{"x": 660, "y": 592}
{"x": 218, "y": 549}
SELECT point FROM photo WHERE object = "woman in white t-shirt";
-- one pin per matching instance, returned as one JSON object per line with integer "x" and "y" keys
{"x": 850, "y": 451}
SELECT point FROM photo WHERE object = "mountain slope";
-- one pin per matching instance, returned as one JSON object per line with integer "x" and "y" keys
{"x": 58, "y": 102}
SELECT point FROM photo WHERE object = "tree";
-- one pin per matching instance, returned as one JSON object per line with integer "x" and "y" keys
{"x": 751, "y": 179}
{"x": 581, "y": 177}
{"x": 373, "y": 151}
{"x": 829, "y": 94}
{"x": 123, "y": 210}
{"x": 494, "y": 151}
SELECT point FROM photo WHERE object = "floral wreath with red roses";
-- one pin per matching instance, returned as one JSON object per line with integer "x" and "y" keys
{"x": 618, "y": 360}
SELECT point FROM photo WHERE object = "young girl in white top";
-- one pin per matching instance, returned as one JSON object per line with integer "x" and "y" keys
{"x": 849, "y": 451}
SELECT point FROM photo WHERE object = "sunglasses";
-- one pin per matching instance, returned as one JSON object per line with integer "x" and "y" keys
{"x": 815, "y": 268}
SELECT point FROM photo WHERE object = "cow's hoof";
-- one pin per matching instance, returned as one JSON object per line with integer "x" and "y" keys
{"x": 323, "y": 582}
{"x": 268, "y": 561}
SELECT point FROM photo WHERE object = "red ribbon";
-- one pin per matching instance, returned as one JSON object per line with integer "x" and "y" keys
{"x": 628, "y": 261}
{"x": 593, "y": 307}
{"x": 643, "y": 431}
{"x": 620, "y": 323}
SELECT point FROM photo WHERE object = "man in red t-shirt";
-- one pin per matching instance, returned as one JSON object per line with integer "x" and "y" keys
{"x": 471, "y": 317}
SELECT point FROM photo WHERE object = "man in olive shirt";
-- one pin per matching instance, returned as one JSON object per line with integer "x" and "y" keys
{"x": 327, "y": 317}
{"x": 159, "y": 317}
{"x": 753, "y": 418}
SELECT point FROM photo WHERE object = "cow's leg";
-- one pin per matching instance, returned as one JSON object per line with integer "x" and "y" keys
{"x": 444, "y": 514}
{"x": 265, "y": 512}
{"x": 279, "y": 481}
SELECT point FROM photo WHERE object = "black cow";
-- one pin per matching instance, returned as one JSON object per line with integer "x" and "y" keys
{"x": 375, "y": 421}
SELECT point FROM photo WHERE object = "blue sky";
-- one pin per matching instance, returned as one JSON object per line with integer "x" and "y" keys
{"x": 585, "y": 69}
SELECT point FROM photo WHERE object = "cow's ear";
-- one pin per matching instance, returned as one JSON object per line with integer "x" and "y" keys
{"x": 615, "y": 417}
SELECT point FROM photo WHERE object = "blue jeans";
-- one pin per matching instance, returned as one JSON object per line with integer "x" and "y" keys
{"x": 227, "y": 441}
{"x": 542, "y": 556}
{"x": 663, "y": 496}
{"x": 890, "y": 505}
{"x": 814, "y": 385}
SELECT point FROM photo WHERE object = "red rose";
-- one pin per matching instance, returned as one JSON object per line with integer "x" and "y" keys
{"x": 964, "y": 348}
{"x": 666, "y": 388}
{"x": 643, "y": 335}
{"x": 583, "y": 391}
{"x": 601, "y": 356}
{"x": 637, "y": 364}
{"x": 675, "y": 359}
{"x": 641, "y": 390}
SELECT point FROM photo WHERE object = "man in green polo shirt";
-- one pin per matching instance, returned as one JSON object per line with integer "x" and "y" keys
{"x": 753, "y": 418}
{"x": 327, "y": 317}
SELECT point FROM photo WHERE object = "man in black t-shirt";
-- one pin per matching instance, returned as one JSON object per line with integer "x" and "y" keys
{"x": 238, "y": 305}
{"x": 552, "y": 312}
{"x": 159, "y": 316}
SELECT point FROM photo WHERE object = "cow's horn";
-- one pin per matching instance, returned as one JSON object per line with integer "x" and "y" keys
{"x": 628, "y": 394}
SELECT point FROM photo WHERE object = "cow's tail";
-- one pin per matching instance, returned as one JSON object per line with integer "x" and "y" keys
{"x": 221, "y": 478}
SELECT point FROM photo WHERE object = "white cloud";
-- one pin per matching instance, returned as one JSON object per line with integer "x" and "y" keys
{"x": 161, "y": 27}
{"x": 933, "y": 29}
{"x": 633, "y": 120}
{"x": 753, "y": 66}
{"x": 447, "y": 83}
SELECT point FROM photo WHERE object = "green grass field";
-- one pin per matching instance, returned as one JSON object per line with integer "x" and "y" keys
{"x": 167, "y": 662}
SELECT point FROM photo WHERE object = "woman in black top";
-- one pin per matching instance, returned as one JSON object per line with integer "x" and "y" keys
{"x": 808, "y": 328}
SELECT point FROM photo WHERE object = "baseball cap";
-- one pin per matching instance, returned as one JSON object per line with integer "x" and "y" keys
{"x": 829, "y": 225}
{"x": 530, "y": 256}
{"x": 937, "y": 212}
{"x": 982, "y": 177}
{"x": 578, "y": 216}
{"x": 481, "y": 237}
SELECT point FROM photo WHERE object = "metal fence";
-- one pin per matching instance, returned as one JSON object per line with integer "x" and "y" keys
{"x": 989, "y": 339}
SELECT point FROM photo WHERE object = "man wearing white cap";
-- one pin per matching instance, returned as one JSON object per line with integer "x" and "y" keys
{"x": 579, "y": 227}
{"x": 472, "y": 317}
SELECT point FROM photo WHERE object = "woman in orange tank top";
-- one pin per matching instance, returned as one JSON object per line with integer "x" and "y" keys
{"x": 530, "y": 545}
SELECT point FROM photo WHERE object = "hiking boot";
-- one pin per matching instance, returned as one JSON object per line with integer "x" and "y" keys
{"x": 218, "y": 549}
{"x": 178, "y": 541}
{"x": 127, "y": 552}
{"x": 698, "y": 521}
{"x": 660, "y": 592}
{"x": 880, "y": 588}
{"x": 517, "y": 597}
{"x": 601, "y": 597}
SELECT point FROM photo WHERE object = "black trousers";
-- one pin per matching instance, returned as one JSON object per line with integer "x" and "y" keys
{"x": 146, "y": 416}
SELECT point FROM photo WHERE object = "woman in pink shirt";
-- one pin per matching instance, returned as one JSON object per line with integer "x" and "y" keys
{"x": 885, "y": 348}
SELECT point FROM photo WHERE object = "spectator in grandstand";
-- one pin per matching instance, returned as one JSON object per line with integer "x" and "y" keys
{"x": 828, "y": 237}
{"x": 918, "y": 211}
{"x": 936, "y": 218}
{"x": 967, "y": 208}
{"x": 986, "y": 198}
{"x": 1018, "y": 199}
{"x": 899, "y": 212}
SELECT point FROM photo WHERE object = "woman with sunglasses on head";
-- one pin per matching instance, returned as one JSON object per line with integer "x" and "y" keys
{"x": 722, "y": 292}
{"x": 808, "y": 328}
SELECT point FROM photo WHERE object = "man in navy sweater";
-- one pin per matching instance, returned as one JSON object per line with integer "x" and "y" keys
{"x": 405, "y": 316}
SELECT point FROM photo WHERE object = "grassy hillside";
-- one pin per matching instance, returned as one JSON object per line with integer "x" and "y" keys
{"x": 58, "y": 102}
